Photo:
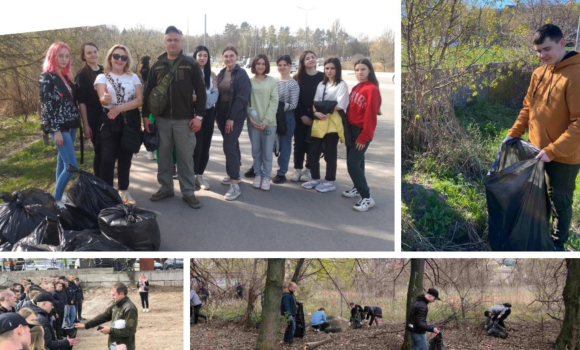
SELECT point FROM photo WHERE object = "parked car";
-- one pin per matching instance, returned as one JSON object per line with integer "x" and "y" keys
{"x": 172, "y": 264}
{"x": 294, "y": 67}
{"x": 157, "y": 265}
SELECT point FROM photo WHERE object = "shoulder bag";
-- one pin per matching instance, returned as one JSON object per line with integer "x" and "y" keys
{"x": 132, "y": 138}
{"x": 158, "y": 98}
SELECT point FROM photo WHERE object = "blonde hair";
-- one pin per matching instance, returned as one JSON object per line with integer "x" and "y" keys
{"x": 36, "y": 333}
{"x": 109, "y": 57}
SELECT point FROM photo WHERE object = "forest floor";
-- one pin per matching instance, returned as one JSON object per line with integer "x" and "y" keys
{"x": 218, "y": 335}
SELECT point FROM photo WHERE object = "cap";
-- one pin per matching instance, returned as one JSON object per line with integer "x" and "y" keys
{"x": 62, "y": 278}
{"x": 173, "y": 29}
{"x": 44, "y": 297}
{"x": 434, "y": 293}
{"x": 12, "y": 320}
{"x": 77, "y": 279}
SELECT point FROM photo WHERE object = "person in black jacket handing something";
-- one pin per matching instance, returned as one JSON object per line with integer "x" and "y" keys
{"x": 417, "y": 323}
{"x": 43, "y": 307}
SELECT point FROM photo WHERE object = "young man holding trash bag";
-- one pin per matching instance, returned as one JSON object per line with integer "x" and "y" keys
{"x": 417, "y": 323}
{"x": 551, "y": 113}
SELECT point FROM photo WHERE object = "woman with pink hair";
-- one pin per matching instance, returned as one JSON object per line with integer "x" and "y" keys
{"x": 59, "y": 114}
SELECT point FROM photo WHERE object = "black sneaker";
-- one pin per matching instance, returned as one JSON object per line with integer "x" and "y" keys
{"x": 279, "y": 179}
{"x": 250, "y": 173}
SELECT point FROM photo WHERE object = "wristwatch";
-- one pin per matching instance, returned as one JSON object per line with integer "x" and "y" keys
{"x": 199, "y": 117}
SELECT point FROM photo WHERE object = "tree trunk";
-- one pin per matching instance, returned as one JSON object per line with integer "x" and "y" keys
{"x": 267, "y": 339}
{"x": 569, "y": 338}
{"x": 252, "y": 296}
{"x": 414, "y": 290}
{"x": 297, "y": 270}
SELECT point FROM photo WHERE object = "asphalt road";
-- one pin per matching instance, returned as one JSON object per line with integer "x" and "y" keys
{"x": 288, "y": 217}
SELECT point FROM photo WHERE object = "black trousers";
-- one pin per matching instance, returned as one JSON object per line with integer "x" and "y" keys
{"x": 110, "y": 145}
{"x": 196, "y": 314}
{"x": 144, "y": 299}
{"x": 500, "y": 321}
{"x": 79, "y": 307}
{"x": 58, "y": 323}
{"x": 203, "y": 142}
{"x": 322, "y": 326}
{"x": 301, "y": 146}
{"x": 95, "y": 142}
{"x": 330, "y": 144}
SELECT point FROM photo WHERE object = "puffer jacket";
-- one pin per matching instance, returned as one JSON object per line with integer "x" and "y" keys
{"x": 417, "y": 322}
{"x": 50, "y": 340}
{"x": 58, "y": 108}
{"x": 124, "y": 309}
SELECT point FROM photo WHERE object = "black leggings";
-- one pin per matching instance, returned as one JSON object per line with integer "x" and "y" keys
{"x": 203, "y": 142}
{"x": 144, "y": 299}
{"x": 330, "y": 144}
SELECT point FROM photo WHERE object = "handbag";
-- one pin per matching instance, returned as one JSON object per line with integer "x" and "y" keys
{"x": 320, "y": 127}
{"x": 281, "y": 127}
{"x": 131, "y": 139}
{"x": 151, "y": 140}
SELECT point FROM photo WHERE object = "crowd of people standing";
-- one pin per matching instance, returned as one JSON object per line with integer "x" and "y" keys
{"x": 107, "y": 99}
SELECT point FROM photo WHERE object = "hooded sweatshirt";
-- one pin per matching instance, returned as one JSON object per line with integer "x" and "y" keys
{"x": 365, "y": 100}
{"x": 551, "y": 110}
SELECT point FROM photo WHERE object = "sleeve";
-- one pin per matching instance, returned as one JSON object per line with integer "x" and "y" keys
{"x": 136, "y": 80}
{"x": 285, "y": 304}
{"x": 81, "y": 87}
{"x": 421, "y": 317}
{"x": 370, "y": 116}
{"x": 319, "y": 92}
{"x": 243, "y": 88}
{"x": 199, "y": 87}
{"x": 100, "y": 79}
{"x": 299, "y": 111}
{"x": 273, "y": 104}
{"x": 51, "y": 344}
{"x": 213, "y": 95}
{"x": 47, "y": 98}
{"x": 294, "y": 91}
{"x": 569, "y": 142}
{"x": 521, "y": 123}
{"x": 342, "y": 96}
{"x": 100, "y": 319}
{"x": 151, "y": 83}
{"x": 130, "y": 317}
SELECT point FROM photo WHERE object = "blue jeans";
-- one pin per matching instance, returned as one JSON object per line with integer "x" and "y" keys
{"x": 66, "y": 156}
{"x": 418, "y": 341}
{"x": 262, "y": 149}
{"x": 289, "y": 334}
{"x": 285, "y": 142}
{"x": 70, "y": 313}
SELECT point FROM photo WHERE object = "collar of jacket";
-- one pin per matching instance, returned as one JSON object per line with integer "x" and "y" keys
{"x": 122, "y": 301}
{"x": 61, "y": 86}
{"x": 163, "y": 57}
{"x": 236, "y": 68}
{"x": 422, "y": 298}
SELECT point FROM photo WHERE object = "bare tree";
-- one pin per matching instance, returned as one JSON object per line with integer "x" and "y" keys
{"x": 569, "y": 337}
{"x": 415, "y": 288}
{"x": 267, "y": 339}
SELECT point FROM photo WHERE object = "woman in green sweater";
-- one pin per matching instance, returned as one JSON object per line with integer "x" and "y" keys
{"x": 262, "y": 120}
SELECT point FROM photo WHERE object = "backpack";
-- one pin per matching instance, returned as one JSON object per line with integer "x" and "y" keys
{"x": 159, "y": 97}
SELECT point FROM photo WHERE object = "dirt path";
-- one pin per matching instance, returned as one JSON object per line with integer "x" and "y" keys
{"x": 160, "y": 328}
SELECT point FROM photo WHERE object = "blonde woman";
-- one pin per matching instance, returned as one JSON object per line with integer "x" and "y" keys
{"x": 121, "y": 95}
{"x": 144, "y": 292}
{"x": 36, "y": 333}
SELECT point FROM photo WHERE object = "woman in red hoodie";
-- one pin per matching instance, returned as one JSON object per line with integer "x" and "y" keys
{"x": 364, "y": 105}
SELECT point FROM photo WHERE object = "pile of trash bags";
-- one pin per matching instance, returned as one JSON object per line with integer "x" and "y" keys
{"x": 99, "y": 221}
{"x": 517, "y": 200}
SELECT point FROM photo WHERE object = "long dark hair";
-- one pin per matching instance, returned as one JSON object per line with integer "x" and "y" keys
{"x": 337, "y": 67}
{"x": 301, "y": 69}
{"x": 87, "y": 70}
{"x": 207, "y": 67}
{"x": 372, "y": 76}
{"x": 144, "y": 64}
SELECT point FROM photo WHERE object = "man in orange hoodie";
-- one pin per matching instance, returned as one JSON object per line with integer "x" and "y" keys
{"x": 551, "y": 113}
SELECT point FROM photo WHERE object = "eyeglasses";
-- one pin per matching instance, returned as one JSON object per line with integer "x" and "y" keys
{"x": 123, "y": 58}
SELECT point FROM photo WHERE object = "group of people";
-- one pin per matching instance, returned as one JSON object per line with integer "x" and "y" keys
{"x": 316, "y": 108}
{"x": 45, "y": 316}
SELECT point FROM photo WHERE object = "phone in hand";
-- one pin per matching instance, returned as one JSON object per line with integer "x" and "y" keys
{"x": 99, "y": 328}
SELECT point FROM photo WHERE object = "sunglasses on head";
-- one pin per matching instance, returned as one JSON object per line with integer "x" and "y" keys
{"x": 123, "y": 58}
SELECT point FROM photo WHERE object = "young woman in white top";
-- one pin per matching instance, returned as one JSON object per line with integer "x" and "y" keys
{"x": 332, "y": 88}
{"x": 120, "y": 93}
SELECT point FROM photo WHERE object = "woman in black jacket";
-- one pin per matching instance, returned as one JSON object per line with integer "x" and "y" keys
{"x": 231, "y": 111}
{"x": 59, "y": 114}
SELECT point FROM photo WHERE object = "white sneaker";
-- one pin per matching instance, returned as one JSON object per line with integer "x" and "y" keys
{"x": 233, "y": 193}
{"x": 326, "y": 186}
{"x": 201, "y": 182}
{"x": 126, "y": 197}
{"x": 311, "y": 184}
{"x": 295, "y": 177}
{"x": 353, "y": 192}
{"x": 150, "y": 155}
{"x": 226, "y": 181}
{"x": 257, "y": 181}
{"x": 306, "y": 176}
{"x": 364, "y": 204}
{"x": 265, "y": 184}
{"x": 144, "y": 310}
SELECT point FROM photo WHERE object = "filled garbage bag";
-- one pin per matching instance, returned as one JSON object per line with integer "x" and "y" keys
{"x": 21, "y": 213}
{"x": 133, "y": 227}
{"x": 92, "y": 194}
{"x": 76, "y": 219}
{"x": 497, "y": 331}
{"x": 517, "y": 200}
{"x": 151, "y": 140}
{"x": 90, "y": 241}
{"x": 436, "y": 343}
{"x": 45, "y": 238}
{"x": 300, "y": 330}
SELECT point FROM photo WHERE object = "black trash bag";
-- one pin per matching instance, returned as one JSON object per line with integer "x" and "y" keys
{"x": 300, "y": 331}
{"x": 517, "y": 200}
{"x": 19, "y": 217}
{"x": 92, "y": 194}
{"x": 47, "y": 237}
{"x": 332, "y": 330}
{"x": 32, "y": 195}
{"x": 133, "y": 227}
{"x": 498, "y": 331}
{"x": 76, "y": 219}
{"x": 6, "y": 247}
{"x": 69, "y": 333}
{"x": 436, "y": 343}
{"x": 151, "y": 140}
{"x": 90, "y": 241}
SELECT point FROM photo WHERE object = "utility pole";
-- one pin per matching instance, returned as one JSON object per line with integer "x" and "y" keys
{"x": 205, "y": 30}
{"x": 187, "y": 47}
{"x": 306, "y": 28}
{"x": 577, "y": 33}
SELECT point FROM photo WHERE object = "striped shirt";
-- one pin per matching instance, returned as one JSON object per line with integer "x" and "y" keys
{"x": 288, "y": 92}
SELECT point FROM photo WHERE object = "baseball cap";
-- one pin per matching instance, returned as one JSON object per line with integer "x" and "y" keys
{"x": 12, "y": 320}
{"x": 434, "y": 293}
{"x": 44, "y": 297}
{"x": 77, "y": 279}
{"x": 62, "y": 278}
{"x": 173, "y": 29}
